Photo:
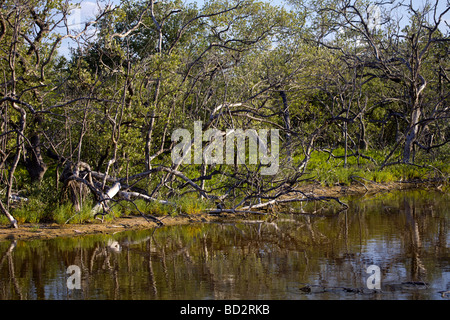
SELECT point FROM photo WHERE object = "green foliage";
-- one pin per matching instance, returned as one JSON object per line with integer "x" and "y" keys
{"x": 154, "y": 71}
{"x": 159, "y": 209}
{"x": 65, "y": 213}
{"x": 31, "y": 211}
{"x": 192, "y": 204}
{"x": 329, "y": 169}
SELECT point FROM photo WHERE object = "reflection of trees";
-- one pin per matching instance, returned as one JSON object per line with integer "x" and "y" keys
{"x": 413, "y": 233}
{"x": 249, "y": 259}
{"x": 10, "y": 270}
{"x": 418, "y": 270}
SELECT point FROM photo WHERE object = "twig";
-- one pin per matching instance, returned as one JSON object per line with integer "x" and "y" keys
{"x": 218, "y": 211}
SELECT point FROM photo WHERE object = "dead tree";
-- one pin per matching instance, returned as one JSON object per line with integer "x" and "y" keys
{"x": 74, "y": 188}
{"x": 27, "y": 29}
{"x": 399, "y": 57}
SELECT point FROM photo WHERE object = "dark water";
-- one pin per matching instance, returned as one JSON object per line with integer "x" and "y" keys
{"x": 311, "y": 245}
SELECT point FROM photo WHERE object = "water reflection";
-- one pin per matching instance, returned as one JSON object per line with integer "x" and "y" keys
{"x": 315, "y": 245}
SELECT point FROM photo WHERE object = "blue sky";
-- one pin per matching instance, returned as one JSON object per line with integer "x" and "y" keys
{"x": 89, "y": 8}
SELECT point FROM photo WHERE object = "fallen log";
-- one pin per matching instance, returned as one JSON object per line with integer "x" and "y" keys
{"x": 127, "y": 195}
{"x": 261, "y": 205}
{"x": 102, "y": 204}
{"x": 99, "y": 175}
{"x": 175, "y": 173}
{"x": 219, "y": 211}
{"x": 281, "y": 201}
{"x": 250, "y": 208}
{"x": 18, "y": 198}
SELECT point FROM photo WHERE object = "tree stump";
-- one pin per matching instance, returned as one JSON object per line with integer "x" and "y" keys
{"x": 73, "y": 190}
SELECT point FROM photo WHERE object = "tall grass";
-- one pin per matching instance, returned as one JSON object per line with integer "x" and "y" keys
{"x": 330, "y": 170}
{"x": 31, "y": 211}
{"x": 65, "y": 213}
{"x": 192, "y": 204}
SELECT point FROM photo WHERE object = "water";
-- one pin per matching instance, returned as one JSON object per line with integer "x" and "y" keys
{"x": 312, "y": 246}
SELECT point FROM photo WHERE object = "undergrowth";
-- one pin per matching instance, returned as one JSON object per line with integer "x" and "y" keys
{"x": 329, "y": 169}
{"x": 326, "y": 166}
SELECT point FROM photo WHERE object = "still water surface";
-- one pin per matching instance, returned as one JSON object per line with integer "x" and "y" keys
{"x": 309, "y": 245}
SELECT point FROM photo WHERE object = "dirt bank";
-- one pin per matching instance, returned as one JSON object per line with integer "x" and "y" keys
{"x": 48, "y": 231}
{"x": 30, "y": 231}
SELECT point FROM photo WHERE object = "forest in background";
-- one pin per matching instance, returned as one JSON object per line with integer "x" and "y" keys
{"x": 359, "y": 91}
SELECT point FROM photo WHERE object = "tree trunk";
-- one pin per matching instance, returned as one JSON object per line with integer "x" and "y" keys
{"x": 34, "y": 163}
{"x": 412, "y": 134}
{"x": 287, "y": 124}
{"x": 73, "y": 189}
{"x": 362, "y": 143}
{"x": 8, "y": 215}
{"x": 309, "y": 148}
{"x": 19, "y": 141}
{"x": 148, "y": 142}
{"x": 103, "y": 202}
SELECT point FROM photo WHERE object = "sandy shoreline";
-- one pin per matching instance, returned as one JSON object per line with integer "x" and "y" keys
{"x": 52, "y": 230}
{"x": 32, "y": 231}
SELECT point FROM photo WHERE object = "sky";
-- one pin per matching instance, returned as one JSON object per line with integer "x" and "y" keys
{"x": 76, "y": 21}
{"x": 89, "y": 8}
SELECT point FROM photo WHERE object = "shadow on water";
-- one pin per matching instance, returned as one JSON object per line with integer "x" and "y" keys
{"x": 308, "y": 251}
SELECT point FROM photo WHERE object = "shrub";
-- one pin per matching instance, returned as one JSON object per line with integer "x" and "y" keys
{"x": 159, "y": 209}
{"x": 31, "y": 211}
{"x": 65, "y": 213}
{"x": 189, "y": 204}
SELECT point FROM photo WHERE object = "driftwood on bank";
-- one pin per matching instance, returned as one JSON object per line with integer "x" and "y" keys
{"x": 273, "y": 202}
{"x": 128, "y": 195}
{"x": 77, "y": 183}
{"x": 104, "y": 202}
{"x": 123, "y": 188}
{"x": 78, "y": 178}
